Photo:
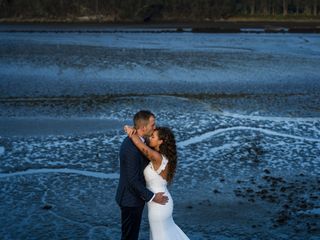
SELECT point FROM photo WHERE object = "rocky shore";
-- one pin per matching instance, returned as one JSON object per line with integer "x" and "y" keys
{"x": 265, "y": 207}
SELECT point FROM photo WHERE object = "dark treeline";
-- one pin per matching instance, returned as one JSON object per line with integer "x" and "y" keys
{"x": 159, "y": 10}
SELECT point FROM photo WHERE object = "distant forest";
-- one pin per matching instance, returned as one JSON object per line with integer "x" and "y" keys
{"x": 155, "y": 10}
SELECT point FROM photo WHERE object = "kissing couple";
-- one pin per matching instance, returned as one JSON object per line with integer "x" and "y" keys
{"x": 148, "y": 159}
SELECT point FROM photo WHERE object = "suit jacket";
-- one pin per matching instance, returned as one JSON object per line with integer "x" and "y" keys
{"x": 132, "y": 191}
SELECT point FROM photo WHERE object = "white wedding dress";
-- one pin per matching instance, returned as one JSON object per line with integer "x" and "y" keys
{"x": 162, "y": 226}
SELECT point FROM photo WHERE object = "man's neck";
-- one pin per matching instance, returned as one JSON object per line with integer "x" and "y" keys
{"x": 140, "y": 134}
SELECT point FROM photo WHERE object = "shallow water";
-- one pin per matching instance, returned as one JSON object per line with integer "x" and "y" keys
{"x": 241, "y": 105}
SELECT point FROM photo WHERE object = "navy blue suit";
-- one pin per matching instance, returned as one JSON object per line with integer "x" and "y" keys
{"x": 132, "y": 192}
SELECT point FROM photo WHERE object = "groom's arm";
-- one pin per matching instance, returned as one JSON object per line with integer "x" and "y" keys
{"x": 132, "y": 169}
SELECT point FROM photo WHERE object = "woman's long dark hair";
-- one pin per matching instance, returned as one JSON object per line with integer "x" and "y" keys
{"x": 168, "y": 148}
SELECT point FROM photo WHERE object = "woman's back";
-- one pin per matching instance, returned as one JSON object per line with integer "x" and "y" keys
{"x": 162, "y": 226}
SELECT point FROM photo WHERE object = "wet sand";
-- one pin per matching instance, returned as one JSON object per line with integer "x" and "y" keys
{"x": 248, "y": 156}
{"x": 44, "y": 126}
{"x": 232, "y": 182}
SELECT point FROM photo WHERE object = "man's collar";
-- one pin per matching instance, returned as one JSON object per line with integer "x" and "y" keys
{"x": 142, "y": 139}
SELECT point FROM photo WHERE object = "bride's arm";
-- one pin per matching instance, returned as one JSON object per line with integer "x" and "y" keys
{"x": 151, "y": 154}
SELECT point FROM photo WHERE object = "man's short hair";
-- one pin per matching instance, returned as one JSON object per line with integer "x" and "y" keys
{"x": 141, "y": 118}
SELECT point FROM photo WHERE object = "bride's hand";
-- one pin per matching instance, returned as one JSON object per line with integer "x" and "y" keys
{"x": 129, "y": 130}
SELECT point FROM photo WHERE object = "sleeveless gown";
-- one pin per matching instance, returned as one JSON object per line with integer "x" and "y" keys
{"x": 162, "y": 226}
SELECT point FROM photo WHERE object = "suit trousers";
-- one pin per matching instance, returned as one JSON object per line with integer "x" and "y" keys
{"x": 130, "y": 221}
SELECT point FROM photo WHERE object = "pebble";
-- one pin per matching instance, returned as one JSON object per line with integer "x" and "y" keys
{"x": 285, "y": 206}
{"x": 216, "y": 191}
{"x": 47, "y": 207}
{"x": 282, "y": 218}
{"x": 266, "y": 171}
{"x": 249, "y": 190}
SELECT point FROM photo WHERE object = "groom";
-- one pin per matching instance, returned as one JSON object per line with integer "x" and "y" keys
{"x": 132, "y": 192}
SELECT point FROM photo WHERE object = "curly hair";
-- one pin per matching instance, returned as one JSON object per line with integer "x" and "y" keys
{"x": 168, "y": 148}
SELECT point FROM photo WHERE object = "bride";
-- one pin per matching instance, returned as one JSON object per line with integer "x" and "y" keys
{"x": 159, "y": 172}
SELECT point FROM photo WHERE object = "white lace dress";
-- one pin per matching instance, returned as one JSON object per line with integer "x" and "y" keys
{"x": 162, "y": 226}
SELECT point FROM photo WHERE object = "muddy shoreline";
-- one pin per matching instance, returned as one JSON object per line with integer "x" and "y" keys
{"x": 244, "y": 110}
{"x": 234, "y": 26}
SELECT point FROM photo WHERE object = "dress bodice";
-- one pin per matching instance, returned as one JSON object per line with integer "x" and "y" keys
{"x": 154, "y": 181}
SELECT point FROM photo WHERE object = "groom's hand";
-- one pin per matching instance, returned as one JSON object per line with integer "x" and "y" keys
{"x": 160, "y": 198}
